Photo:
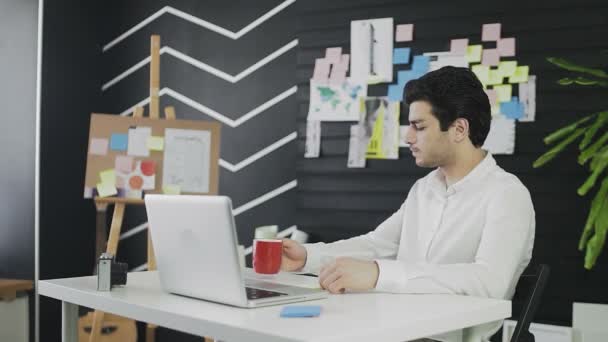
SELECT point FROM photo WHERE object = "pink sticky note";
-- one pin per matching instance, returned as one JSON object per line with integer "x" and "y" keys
{"x": 491, "y": 96}
{"x": 490, "y": 32}
{"x": 321, "y": 72}
{"x": 404, "y": 33}
{"x": 338, "y": 75}
{"x": 98, "y": 147}
{"x": 459, "y": 46}
{"x": 123, "y": 164}
{"x": 345, "y": 59}
{"x": 333, "y": 54}
{"x": 506, "y": 47}
{"x": 490, "y": 57}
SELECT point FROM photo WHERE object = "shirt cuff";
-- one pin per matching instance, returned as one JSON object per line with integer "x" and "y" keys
{"x": 313, "y": 257}
{"x": 392, "y": 276}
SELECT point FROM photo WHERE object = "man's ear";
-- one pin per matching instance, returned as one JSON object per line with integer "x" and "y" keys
{"x": 461, "y": 129}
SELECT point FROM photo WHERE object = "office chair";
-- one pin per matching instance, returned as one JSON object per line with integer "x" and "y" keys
{"x": 528, "y": 294}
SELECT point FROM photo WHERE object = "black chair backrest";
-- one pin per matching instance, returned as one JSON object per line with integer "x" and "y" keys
{"x": 530, "y": 288}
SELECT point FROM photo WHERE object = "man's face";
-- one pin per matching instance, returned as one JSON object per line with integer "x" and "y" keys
{"x": 429, "y": 145}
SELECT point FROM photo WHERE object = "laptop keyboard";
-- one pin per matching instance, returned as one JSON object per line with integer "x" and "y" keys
{"x": 253, "y": 293}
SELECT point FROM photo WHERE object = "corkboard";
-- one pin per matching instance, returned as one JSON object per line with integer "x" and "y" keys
{"x": 102, "y": 126}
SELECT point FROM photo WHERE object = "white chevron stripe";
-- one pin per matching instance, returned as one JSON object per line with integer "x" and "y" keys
{"x": 203, "y": 66}
{"x": 258, "y": 155}
{"x": 266, "y": 197}
{"x": 139, "y": 268}
{"x": 212, "y": 113}
{"x": 134, "y": 231}
{"x": 200, "y": 22}
{"x": 283, "y": 233}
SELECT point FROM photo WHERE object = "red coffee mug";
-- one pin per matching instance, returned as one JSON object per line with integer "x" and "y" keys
{"x": 267, "y": 254}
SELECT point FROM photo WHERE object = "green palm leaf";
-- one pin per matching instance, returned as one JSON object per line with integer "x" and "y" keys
{"x": 570, "y": 66}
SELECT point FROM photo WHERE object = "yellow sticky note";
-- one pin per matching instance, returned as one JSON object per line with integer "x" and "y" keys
{"x": 495, "y": 110}
{"x": 172, "y": 189}
{"x": 473, "y": 53}
{"x": 495, "y": 77}
{"x": 482, "y": 72}
{"x": 520, "y": 75}
{"x": 108, "y": 177}
{"x": 155, "y": 143}
{"x": 106, "y": 190}
{"x": 503, "y": 92}
{"x": 507, "y": 68}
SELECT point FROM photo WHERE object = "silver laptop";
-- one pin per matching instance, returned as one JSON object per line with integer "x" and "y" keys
{"x": 195, "y": 243}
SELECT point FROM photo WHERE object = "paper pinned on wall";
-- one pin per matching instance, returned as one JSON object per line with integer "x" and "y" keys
{"x": 482, "y": 72}
{"x": 98, "y": 146}
{"x": 403, "y": 136}
{"x": 338, "y": 74}
{"x": 380, "y": 122}
{"x": 404, "y": 33}
{"x": 520, "y": 75}
{"x": 171, "y": 190}
{"x": 119, "y": 142}
{"x": 333, "y": 54}
{"x": 155, "y": 143}
{"x": 321, "y": 72}
{"x": 527, "y": 96}
{"x": 401, "y": 56}
{"x": 421, "y": 64}
{"x": 503, "y": 92}
{"x": 356, "y": 148}
{"x": 512, "y": 109}
{"x": 312, "y": 148}
{"x": 438, "y": 60}
{"x": 371, "y": 50}
{"x": 490, "y": 32}
{"x": 123, "y": 164}
{"x": 491, "y": 93}
{"x": 187, "y": 159}
{"x": 506, "y": 47}
{"x": 395, "y": 92}
{"x": 495, "y": 77}
{"x": 501, "y": 138}
{"x": 507, "y": 68}
{"x": 332, "y": 102}
{"x": 490, "y": 57}
{"x": 106, "y": 190}
{"x": 108, "y": 177}
{"x": 138, "y": 138}
{"x": 473, "y": 54}
{"x": 459, "y": 46}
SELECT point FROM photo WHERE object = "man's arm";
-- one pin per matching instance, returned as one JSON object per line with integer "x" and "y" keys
{"x": 506, "y": 241}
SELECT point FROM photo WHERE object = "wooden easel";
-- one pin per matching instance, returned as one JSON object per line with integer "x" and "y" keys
{"x": 101, "y": 204}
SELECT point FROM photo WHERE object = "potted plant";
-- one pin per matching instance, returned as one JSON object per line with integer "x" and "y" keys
{"x": 592, "y": 131}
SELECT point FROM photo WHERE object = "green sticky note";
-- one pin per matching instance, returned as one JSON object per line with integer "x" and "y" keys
{"x": 503, "y": 92}
{"x": 172, "y": 189}
{"x": 495, "y": 77}
{"x": 155, "y": 143}
{"x": 507, "y": 68}
{"x": 473, "y": 53}
{"x": 520, "y": 75}
{"x": 482, "y": 72}
{"x": 108, "y": 177}
{"x": 106, "y": 190}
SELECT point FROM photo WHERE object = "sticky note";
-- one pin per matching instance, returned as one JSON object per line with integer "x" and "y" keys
{"x": 520, "y": 75}
{"x": 345, "y": 59}
{"x": 108, "y": 177}
{"x": 482, "y": 72}
{"x": 333, "y": 54}
{"x": 395, "y": 92}
{"x": 506, "y": 47}
{"x": 404, "y": 33}
{"x": 459, "y": 46}
{"x": 338, "y": 74}
{"x": 119, "y": 142}
{"x": 421, "y": 64}
{"x": 473, "y": 54}
{"x": 404, "y": 76}
{"x": 507, "y": 68}
{"x": 172, "y": 189}
{"x": 401, "y": 56}
{"x": 138, "y": 138}
{"x": 503, "y": 92}
{"x": 495, "y": 77}
{"x": 106, "y": 190}
{"x": 156, "y": 143}
{"x": 321, "y": 72}
{"x": 98, "y": 146}
{"x": 490, "y": 57}
{"x": 512, "y": 109}
{"x": 123, "y": 164}
{"x": 301, "y": 311}
{"x": 492, "y": 97}
{"x": 490, "y": 32}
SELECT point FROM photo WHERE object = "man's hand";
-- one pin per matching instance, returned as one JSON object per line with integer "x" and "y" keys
{"x": 349, "y": 273}
{"x": 294, "y": 256}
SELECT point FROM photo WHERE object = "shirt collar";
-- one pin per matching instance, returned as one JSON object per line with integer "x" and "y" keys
{"x": 479, "y": 171}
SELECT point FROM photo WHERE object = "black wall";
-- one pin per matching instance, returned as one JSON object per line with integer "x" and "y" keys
{"x": 334, "y": 202}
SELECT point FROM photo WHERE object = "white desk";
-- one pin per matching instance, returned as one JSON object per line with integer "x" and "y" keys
{"x": 352, "y": 317}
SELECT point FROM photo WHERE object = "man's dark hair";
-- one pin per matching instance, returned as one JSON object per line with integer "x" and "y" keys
{"x": 454, "y": 93}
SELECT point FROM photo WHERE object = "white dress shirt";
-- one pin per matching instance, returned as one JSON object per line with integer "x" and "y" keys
{"x": 474, "y": 237}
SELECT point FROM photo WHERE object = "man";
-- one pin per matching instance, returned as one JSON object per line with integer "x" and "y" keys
{"x": 466, "y": 228}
